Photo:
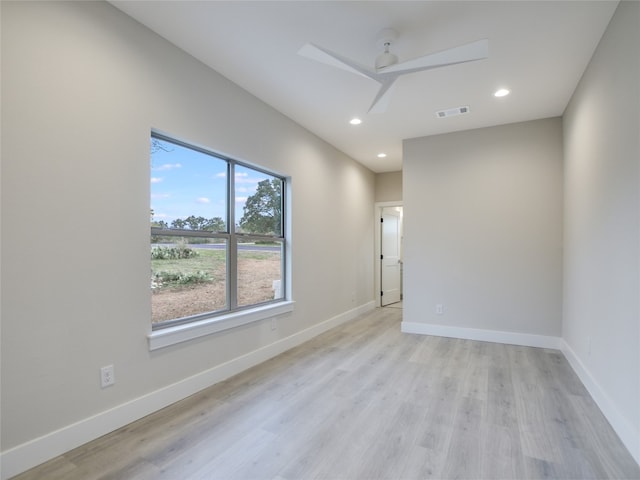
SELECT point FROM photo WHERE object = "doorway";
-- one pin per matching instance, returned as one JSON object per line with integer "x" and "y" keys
{"x": 389, "y": 255}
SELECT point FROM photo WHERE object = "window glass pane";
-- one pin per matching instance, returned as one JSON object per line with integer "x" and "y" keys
{"x": 196, "y": 220}
{"x": 188, "y": 276}
{"x": 258, "y": 199}
{"x": 260, "y": 272}
{"x": 188, "y": 188}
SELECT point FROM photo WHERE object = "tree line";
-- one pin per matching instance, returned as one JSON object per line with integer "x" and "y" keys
{"x": 215, "y": 224}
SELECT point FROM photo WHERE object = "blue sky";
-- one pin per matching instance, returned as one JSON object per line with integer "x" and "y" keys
{"x": 185, "y": 182}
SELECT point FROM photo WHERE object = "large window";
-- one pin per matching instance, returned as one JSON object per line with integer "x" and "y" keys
{"x": 217, "y": 234}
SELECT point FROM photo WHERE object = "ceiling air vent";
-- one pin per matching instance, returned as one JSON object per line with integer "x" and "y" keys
{"x": 452, "y": 112}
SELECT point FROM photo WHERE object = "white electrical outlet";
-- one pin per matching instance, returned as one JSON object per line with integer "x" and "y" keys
{"x": 439, "y": 309}
{"x": 107, "y": 376}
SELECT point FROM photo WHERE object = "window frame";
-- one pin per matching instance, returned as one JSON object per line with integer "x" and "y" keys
{"x": 231, "y": 315}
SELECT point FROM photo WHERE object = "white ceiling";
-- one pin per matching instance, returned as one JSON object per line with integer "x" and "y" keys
{"x": 537, "y": 49}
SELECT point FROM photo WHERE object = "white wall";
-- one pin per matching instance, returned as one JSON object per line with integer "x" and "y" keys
{"x": 82, "y": 86}
{"x": 602, "y": 235}
{"x": 483, "y": 233}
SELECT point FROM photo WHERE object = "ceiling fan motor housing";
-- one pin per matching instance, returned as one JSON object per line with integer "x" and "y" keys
{"x": 384, "y": 40}
{"x": 385, "y": 59}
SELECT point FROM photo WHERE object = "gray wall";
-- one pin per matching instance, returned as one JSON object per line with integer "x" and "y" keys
{"x": 82, "y": 86}
{"x": 483, "y": 228}
{"x": 602, "y": 233}
{"x": 388, "y": 187}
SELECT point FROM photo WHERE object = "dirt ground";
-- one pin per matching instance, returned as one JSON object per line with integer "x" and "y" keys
{"x": 254, "y": 276}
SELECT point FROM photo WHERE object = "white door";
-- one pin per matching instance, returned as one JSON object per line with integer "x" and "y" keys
{"x": 391, "y": 260}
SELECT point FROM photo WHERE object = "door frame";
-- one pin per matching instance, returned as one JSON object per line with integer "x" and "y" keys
{"x": 377, "y": 250}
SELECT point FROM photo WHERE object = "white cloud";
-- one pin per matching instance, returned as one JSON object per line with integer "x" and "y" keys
{"x": 156, "y": 179}
{"x": 241, "y": 177}
{"x": 203, "y": 200}
{"x": 241, "y": 199}
{"x": 245, "y": 178}
{"x": 160, "y": 195}
{"x": 168, "y": 166}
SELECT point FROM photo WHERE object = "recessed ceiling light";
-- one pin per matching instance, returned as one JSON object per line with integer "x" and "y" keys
{"x": 503, "y": 92}
{"x": 382, "y": 155}
{"x": 355, "y": 121}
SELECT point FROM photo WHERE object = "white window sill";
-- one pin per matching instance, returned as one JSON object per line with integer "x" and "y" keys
{"x": 188, "y": 331}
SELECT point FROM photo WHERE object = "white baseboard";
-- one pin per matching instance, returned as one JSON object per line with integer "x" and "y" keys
{"x": 511, "y": 338}
{"x": 30, "y": 454}
{"x": 629, "y": 436}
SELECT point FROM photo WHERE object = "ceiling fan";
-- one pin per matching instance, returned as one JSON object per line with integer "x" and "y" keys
{"x": 387, "y": 69}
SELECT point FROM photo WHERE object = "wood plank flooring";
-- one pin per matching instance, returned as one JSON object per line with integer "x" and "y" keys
{"x": 364, "y": 401}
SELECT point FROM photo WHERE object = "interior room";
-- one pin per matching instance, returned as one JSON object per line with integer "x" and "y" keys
{"x": 515, "y": 218}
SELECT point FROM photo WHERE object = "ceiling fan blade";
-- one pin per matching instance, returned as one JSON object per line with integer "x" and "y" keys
{"x": 464, "y": 53}
{"x": 330, "y": 58}
{"x": 381, "y": 102}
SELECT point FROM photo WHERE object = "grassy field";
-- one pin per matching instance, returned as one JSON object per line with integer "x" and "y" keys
{"x": 189, "y": 286}
{"x": 212, "y": 262}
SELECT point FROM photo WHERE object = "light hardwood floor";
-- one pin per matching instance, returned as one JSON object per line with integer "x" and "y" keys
{"x": 364, "y": 401}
